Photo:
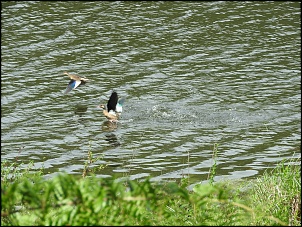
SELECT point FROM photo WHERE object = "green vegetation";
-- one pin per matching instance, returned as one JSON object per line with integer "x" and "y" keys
{"x": 28, "y": 199}
{"x": 212, "y": 171}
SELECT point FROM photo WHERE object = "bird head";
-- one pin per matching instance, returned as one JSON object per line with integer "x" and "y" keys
{"x": 102, "y": 106}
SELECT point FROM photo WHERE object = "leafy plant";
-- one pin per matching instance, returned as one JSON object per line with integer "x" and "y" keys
{"x": 212, "y": 171}
{"x": 70, "y": 200}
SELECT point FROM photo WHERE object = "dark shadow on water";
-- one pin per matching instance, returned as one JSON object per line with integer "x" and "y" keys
{"x": 80, "y": 110}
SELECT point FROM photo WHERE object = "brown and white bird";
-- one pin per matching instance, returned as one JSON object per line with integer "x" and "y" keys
{"x": 74, "y": 82}
{"x": 114, "y": 107}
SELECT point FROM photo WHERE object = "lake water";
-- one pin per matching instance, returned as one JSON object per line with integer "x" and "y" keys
{"x": 194, "y": 74}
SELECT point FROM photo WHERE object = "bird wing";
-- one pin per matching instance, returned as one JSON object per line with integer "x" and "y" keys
{"x": 119, "y": 106}
{"x": 72, "y": 85}
{"x": 121, "y": 101}
{"x": 111, "y": 105}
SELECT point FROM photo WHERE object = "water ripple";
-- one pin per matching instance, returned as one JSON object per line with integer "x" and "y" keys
{"x": 193, "y": 75}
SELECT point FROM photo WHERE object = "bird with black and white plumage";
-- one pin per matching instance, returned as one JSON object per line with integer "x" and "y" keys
{"x": 114, "y": 107}
{"x": 75, "y": 81}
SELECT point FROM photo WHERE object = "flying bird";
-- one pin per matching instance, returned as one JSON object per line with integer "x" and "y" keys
{"x": 75, "y": 81}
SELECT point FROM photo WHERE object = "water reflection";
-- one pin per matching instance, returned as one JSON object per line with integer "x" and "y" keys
{"x": 109, "y": 127}
{"x": 112, "y": 139}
